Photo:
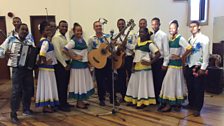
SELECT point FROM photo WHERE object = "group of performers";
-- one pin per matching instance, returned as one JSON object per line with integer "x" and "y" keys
{"x": 156, "y": 69}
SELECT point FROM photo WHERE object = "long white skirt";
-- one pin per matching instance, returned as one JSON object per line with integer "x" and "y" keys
{"x": 47, "y": 93}
{"x": 140, "y": 89}
{"x": 173, "y": 89}
{"x": 80, "y": 84}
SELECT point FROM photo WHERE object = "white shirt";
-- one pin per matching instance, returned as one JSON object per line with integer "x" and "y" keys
{"x": 160, "y": 39}
{"x": 142, "y": 55}
{"x": 8, "y": 45}
{"x": 50, "y": 55}
{"x": 14, "y": 33}
{"x": 84, "y": 52}
{"x": 94, "y": 42}
{"x": 184, "y": 45}
{"x": 59, "y": 41}
{"x": 200, "y": 51}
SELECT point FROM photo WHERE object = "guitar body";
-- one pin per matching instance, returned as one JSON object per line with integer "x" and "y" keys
{"x": 118, "y": 59}
{"x": 98, "y": 57}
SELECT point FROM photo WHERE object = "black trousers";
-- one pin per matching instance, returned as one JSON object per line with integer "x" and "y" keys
{"x": 121, "y": 81}
{"x": 62, "y": 78}
{"x": 158, "y": 76}
{"x": 22, "y": 88}
{"x": 128, "y": 65}
{"x": 196, "y": 88}
{"x": 104, "y": 81}
{"x": 123, "y": 73}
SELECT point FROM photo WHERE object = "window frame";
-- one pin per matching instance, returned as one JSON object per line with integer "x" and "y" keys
{"x": 202, "y": 22}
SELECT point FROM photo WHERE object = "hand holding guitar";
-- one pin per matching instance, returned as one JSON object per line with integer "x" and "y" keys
{"x": 98, "y": 57}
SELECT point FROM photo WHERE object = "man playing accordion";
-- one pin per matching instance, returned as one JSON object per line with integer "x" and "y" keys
{"x": 22, "y": 77}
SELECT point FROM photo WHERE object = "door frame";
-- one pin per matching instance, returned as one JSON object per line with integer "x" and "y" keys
{"x": 6, "y": 69}
{"x": 32, "y": 17}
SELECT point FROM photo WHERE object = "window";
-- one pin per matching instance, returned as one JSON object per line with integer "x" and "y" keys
{"x": 198, "y": 10}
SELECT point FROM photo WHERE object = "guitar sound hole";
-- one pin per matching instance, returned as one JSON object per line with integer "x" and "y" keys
{"x": 96, "y": 60}
{"x": 103, "y": 51}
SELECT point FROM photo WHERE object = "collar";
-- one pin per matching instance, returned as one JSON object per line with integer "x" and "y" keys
{"x": 157, "y": 32}
{"x": 143, "y": 43}
{"x": 43, "y": 38}
{"x": 172, "y": 39}
{"x": 59, "y": 34}
{"x": 198, "y": 34}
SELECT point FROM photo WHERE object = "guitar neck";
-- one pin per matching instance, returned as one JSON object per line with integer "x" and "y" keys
{"x": 126, "y": 37}
{"x": 120, "y": 33}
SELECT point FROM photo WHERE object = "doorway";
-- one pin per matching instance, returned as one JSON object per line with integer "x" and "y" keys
{"x": 4, "y": 69}
{"x": 34, "y": 23}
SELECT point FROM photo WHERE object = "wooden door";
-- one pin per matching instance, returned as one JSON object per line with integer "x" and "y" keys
{"x": 4, "y": 69}
{"x": 34, "y": 23}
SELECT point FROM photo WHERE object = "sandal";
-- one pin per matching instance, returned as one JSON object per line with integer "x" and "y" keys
{"x": 47, "y": 110}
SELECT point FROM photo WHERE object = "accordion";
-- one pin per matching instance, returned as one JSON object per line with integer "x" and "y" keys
{"x": 23, "y": 55}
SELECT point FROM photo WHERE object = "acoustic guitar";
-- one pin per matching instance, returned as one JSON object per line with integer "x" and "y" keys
{"x": 119, "y": 56}
{"x": 98, "y": 57}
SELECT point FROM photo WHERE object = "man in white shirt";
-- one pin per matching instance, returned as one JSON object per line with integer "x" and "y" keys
{"x": 196, "y": 69}
{"x": 103, "y": 75}
{"x": 62, "y": 69}
{"x": 16, "y": 21}
{"x": 22, "y": 77}
{"x": 159, "y": 67}
{"x": 128, "y": 48}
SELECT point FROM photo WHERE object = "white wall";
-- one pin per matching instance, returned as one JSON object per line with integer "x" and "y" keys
{"x": 86, "y": 14}
{"x": 112, "y": 10}
{"x": 218, "y": 29}
{"x": 216, "y": 10}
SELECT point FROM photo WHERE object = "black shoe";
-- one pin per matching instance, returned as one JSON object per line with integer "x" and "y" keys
{"x": 140, "y": 107}
{"x": 65, "y": 109}
{"x": 165, "y": 109}
{"x": 130, "y": 104}
{"x": 115, "y": 103}
{"x": 14, "y": 118}
{"x": 27, "y": 112}
{"x": 48, "y": 110}
{"x": 161, "y": 106}
{"x": 187, "y": 107}
{"x": 70, "y": 105}
{"x": 177, "y": 108}
{"x": 55, "y": 108}
{"x": 196, "y": 113}
{"x": 102, "y": 103}
{"x": 87, "y": 104}
{"x": 121, "y": 100}
{"x": 83, "y": 107}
